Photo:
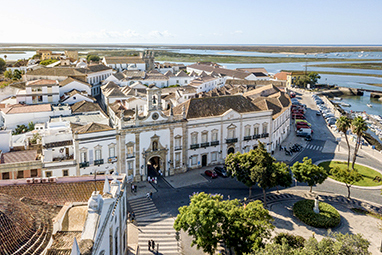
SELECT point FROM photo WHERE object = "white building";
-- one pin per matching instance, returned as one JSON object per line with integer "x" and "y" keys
{"x": 217, "y": 69}
{"x": 96, "y": 148}
{"x": 39, "y": 92}
{"x": 98, "y": 226}
{"x": 58, "y": 150}
{"x": 143, "y": 62}
{"x": 70, "y": 83}
{"x": 92, "y": 74}
{"x": 14, "y": 115}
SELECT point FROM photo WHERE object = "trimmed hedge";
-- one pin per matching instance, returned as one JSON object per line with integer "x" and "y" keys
{"x": 327, "y": 218}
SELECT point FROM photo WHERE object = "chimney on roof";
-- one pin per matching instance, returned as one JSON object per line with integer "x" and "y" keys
{"x": 106, "y": 186}
{"x": 184, "y": 112}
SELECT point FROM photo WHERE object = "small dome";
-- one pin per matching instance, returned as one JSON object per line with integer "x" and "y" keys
{"x": 17, "y": 224}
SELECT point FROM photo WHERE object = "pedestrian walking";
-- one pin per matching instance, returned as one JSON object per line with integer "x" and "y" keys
{"x": 151, "y": 195}
{"x": 149, "y": 244}
{"x": 152, "y": 245}
{"x": 148, "y": 179}
{"x": 155, "y": 180}
{"x": 148, "y": 195}
{"x": 129, "y": 216}
{"x": 132, "y": 217}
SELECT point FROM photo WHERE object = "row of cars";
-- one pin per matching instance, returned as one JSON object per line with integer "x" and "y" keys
{"x": 218, "y": 170}
{"x": 325, "y": 111}
{"x": 302, "y": 126}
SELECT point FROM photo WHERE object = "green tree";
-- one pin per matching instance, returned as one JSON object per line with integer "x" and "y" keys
{"x": 333, "y": 244}
{"x": 338, "y": 244}
{"x": 30, "y": 126}
{"x": 17, "y": 75}
{"x": 309, "y": 173}
{"x": 349, "y": 177}
{"x": 343, "y": 125}
{"x": 314, "y": 77}
{"x": 238, "y": 165}
{"x": 257, "y": 166}
{"x": 2, "y": 65}
{"x": 201, "y": 219}
{"x": 93, "y": 58}
{"x": 20, "y": 129}
{"x": 282, "y": 175}
{"x": 358, "y": 127}
{"x": 210, "y": 219}
{"x": 303, "y": 81}
{"x": 8, "y": 74}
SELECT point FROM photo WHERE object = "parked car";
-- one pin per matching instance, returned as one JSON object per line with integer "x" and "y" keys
{"x": 318, "y": 113}
{"x": 221, "y": 171}
{"x": 211, "y": 174}
{"x": 308, "y": 138}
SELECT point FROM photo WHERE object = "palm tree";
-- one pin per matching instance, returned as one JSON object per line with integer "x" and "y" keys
{"x": 358, "y": 127}
{"x": 343, "y": 125}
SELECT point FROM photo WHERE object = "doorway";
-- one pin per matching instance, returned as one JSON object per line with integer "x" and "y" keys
{"x": 153, "y": 166}
{"x": 204, "y": 160}
{"x": 231, "y": 150}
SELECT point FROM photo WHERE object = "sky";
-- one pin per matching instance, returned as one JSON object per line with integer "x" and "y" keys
{"x": 192, "y": 22}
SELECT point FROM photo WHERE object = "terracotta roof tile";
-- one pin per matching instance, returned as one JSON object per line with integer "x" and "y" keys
{"x": 16, "y": 109}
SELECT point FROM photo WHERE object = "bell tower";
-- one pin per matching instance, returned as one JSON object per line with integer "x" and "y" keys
{"x": 154, "y": 101}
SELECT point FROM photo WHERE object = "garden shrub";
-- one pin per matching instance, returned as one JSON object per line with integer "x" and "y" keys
{"x": 294, "y": 241}
{"x": 327, "y": 218}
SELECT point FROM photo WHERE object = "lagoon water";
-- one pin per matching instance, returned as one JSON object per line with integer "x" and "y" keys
{"x": 340, "y": 80}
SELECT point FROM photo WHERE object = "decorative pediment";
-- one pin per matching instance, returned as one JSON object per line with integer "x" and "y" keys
{"x": 232, "y": 126}
{"x": 130, "y": 144}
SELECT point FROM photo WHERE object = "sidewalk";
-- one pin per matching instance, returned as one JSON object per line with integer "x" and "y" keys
{"x": 191, "y": 177}
{"x": 291, "y": 139}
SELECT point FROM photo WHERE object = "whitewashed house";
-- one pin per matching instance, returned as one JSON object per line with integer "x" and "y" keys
{"x": 39, "y": 92}
{"x": 70, "y": 83}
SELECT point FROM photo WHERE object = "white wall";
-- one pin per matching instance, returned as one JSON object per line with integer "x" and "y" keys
{"x": 75, "y": 85}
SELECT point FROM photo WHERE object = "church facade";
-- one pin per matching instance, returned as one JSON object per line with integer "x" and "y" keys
{"x": 199, "y": 132}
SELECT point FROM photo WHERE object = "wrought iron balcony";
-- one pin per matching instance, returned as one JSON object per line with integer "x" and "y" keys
{"x": 84, "y": 164}
{"x": 178, "y": 148}
{"x": 214, "y": 143}
{"x": 231, "y": 140}
{"x": 256, "y": 136}
{"x": 194, "y": 146}
{"x": 112, "y": 159}
{"x": 98, "y": 162}
{"x": 247, "y": 138}
{"x": 204, "y": 145}
{"x": 130, "y": 156}
{"x": 264, "y": 135}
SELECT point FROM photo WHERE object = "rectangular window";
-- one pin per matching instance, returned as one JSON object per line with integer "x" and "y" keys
{"x": 214, "y": 136}
{"x": 83, "y": 157}
{"x": 5, "y": 176}
{"x": 256, "y": 130}
{"x": 177, "y": 159}
{"x": 111, "y": 151}
{"x": 130, "y": 151}
{"x": 265, "y": 128}
{"x": 214, "y": 156}
{"x": 130, "y": 165}
{"x": 194, "y": 160}
{"x": 231, "y": 133}
{"x": 33, "y": 172}
{"x": 204, "y": 137}
{"x": 65, "y": 172}
{"x": 194, "y": 138}
{"x": 48, "y": 174}
{"x": 178, "y": 142}
{"x": 20, "y": 174}
{"x": 98, "y": 154}
{"x": 247, "y": 131}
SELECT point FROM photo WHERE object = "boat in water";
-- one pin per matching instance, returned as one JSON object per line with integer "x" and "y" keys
{"x": 345, "y": 105}
{"x": 337, "y": 98}
{"x": 369, "y": 105}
